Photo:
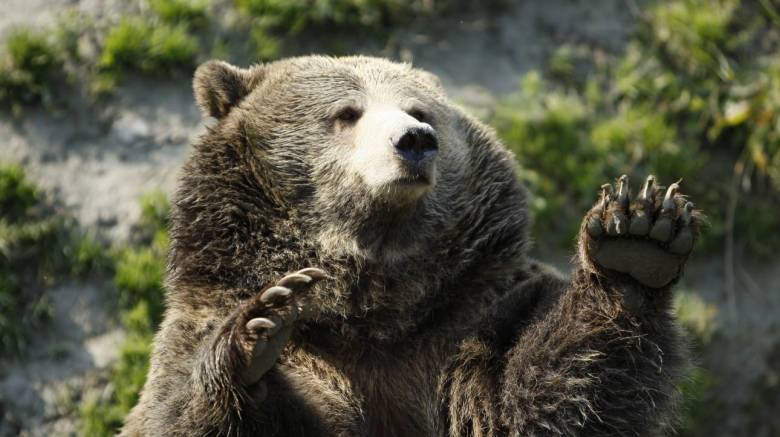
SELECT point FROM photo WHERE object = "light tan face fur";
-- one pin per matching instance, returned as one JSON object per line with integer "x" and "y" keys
{"x": 374, "y": 158}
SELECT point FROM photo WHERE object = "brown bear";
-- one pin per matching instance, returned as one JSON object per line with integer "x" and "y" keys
{"x": 349, "y": 258}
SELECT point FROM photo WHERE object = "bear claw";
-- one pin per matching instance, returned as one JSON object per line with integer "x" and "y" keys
{"x": 640, "y": 221}
{"x": 622, "y": 196}
{"x": 260, "y": 323}
{"x": 618, "y": 221}
{"x": 606, "y": 195}
{"x": 275, "y": 293}
{"x": 669, "y": 204}
{"x": 647, "y": 193}
{"x": 294, "y": 279}
{"x": 683, "y": 242}
{"x": 313, "y": 273}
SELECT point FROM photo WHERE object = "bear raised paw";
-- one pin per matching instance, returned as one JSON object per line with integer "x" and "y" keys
{"x": 648, "y": 238}
{"x": 262, "y": 325}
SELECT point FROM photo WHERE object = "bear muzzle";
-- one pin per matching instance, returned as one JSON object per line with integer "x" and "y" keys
{"x": 417, "y": 148}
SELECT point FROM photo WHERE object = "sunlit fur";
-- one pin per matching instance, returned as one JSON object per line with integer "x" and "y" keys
{"x": 435, "y": 323}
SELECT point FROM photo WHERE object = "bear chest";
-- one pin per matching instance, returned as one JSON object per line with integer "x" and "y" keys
{"x": 379, "y": 396}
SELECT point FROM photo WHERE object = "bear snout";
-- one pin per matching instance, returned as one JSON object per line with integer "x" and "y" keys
{"x": 417, "y": 144}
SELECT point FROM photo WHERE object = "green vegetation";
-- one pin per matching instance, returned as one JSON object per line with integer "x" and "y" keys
{"x": 17, "y": 194}
{"x": 33, "y": 62}
{"x": 138, "y": 277}
{"x": 158, "y": 43}
{"x": 17, "y": 310}
{"x": 36, "y": 248}
{"x": 272, "y": 22}
{"x": 695, "y": 96}
{"x": 29, "y": 64}
{"x": 191, "y": 13}
{"x": 172, "y": 34}
{"x": 296, "y": 15}
{"x": 134, "y": 43}
{"x": 699, "y": 406}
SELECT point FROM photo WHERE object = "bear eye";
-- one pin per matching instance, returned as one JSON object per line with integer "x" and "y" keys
{"x": 419, "y": 115}
{"x": 348, "y": 115}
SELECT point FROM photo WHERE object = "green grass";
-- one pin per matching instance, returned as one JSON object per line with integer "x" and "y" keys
{"x": 159, "y": 43}
{"x": 295, "y": 15}
{"x": 86, "y": 255}
{"x": 30, "y": 63}
{"x": 138, "y": 275}
{"x": 134, "y": 43}
{"x": 192, "y": 13}
{"x": 17, "y": 194}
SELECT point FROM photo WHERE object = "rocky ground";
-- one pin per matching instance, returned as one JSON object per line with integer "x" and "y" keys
{"x": 97, "y": 161}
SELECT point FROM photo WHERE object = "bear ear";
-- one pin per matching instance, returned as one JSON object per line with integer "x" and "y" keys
{"x": 220, "y": 86}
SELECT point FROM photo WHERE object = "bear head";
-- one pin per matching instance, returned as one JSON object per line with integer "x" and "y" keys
{"x": 355, "y": 164}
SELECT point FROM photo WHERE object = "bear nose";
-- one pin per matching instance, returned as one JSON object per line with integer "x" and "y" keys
{"x": 417, "y": 144}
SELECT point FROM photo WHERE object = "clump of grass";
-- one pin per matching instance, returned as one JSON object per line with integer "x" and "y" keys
{"x": 139, "y": 278}
{"x": 17, "y": 194}
{"x": 30, "y": 64}
{"x": 157, "y": 43}
{"x": 134, "y": 43}
{"x": 192, "y": 13}
{"x": 294, "y": 16}
{"x": 86, "y": 255}
{"x": 155, "y": 210}
{"x": 139, "y": 275}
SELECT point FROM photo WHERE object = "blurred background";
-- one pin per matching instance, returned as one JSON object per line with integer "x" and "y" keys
{"x": 96, "y": 114}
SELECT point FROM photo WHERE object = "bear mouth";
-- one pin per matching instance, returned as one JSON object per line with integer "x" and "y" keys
{"x": 414, "y": 180}
{"x": 415, "y": 174}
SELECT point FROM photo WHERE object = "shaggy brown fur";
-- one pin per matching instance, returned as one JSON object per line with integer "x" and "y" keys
{"x": 433, "y": 320}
